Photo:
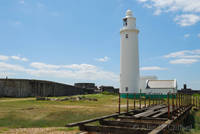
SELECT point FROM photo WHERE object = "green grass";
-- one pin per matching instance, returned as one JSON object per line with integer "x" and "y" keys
{"x": 196, "y": 127}
{"x": 29, "y": 113}
{"x": 25, "y": 113}
{"x": 196, "y": 95}
{"x": 2, "y": 130}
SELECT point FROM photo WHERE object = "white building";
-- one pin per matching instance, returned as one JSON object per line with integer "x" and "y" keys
{"x": 143, "y": 81}
{"x": 129, "y": 61}
{"x": 161, "y": 86}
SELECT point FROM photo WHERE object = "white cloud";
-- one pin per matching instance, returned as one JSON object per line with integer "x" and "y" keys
{"x": 175, "y": 5}
{"x": 142, "y": 0}
{"x": 15, "y": 57}
{"x": 104, "y": 59}
{"x": 24, "y": 59}
{"x": 187, "y": 19}
{"x": 18, "y": 58}
{"x": 21, "y": 1}
{"x": 183, "y": 61}
{"x": 73, "y": 71}
{"x": 152, "y": 68}
{"x": 184, "y": 54}
{"x": 198, "y": 35}
{"x": 147, "y": 6}
{"x": 40, "y": 65}
{"x": 187, "y": 35}
{"x": 76, "y": 74}
{"x": 80, "y": 66}
{"x": 3, "y": 57}
{"x": 157, "y": 12}
{"x": 184, "y": 57}
{"x": 188, "y": 9}
{"x": 11, "y": 67}
{"x": 6, "y": 74}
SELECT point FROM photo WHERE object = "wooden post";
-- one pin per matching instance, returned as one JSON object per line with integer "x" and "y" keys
{"x": 149, "y": 100}
{"x": 193, "y": 100}
{"x": 172, "y": 102}
{"x": 176, "y": 100}
{"x": 196, "y": 101}
{"x": 140, "y": 101}
{"x": 179, "y": 100}
{"x": 199, "y": 102}
{"x": 160, "y": 98}
{"x": 168, "y": 105}
{"x": 153, "y": 99}
{"x": 127, "y": 105}
{"x": 134, "y": 100}
{"x": 145, "y": 101}
{"x": 119, "y": 104}
{"x": 156, "y": 99}
{"x": 183, "y": 99}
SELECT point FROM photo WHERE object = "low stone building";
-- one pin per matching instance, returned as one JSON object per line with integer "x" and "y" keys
{"x": 88, "y": 86}
{"x": 110, "y": 89}
{"x": 28, "y": 88}
{"x": 186, "y": 90}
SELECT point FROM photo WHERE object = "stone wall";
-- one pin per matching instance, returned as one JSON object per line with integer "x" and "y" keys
{"x": 28, "y": 88}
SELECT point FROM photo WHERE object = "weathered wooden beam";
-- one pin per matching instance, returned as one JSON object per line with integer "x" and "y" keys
{"x": 160, "y": 128}
{"x": 101, "y": 118}
{"x": 150, "y": 120}
{"x": 113, "y": 129}
{"x": 151, "y": 111}
{"x": 131, "y": 124}
{"x": 162, "y": 112}
{"x": 91, "y": 120}
{"x": 143, "y": 118}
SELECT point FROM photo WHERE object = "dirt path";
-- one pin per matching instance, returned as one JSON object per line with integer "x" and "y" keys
{"x": 17, "y": 99}
{"x": 53, "y": 130}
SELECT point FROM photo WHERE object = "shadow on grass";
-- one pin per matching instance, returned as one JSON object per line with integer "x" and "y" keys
{"x": 192, "y": 123}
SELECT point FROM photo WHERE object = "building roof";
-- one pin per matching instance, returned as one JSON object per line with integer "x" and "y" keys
{"x": 161, "y": 84}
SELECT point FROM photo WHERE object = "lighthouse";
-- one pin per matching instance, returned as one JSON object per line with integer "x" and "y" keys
{"x": 129, "y": 57}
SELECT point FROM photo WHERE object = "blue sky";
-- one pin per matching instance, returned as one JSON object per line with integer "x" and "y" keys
{"x": 78, "y": 40}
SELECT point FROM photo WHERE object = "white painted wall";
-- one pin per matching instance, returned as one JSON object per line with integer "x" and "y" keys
{"x": 143, "y": 80}
{"x": 159, "y": 91}
{"x": 129, "y": 61}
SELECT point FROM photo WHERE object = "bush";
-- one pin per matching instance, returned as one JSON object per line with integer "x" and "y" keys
{"x": 108, "y": 93}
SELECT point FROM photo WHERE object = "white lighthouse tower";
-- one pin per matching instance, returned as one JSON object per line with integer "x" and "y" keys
{"x": 129, "y": 60}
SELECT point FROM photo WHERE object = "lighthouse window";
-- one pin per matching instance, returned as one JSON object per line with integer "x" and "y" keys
{"x": 126, "y": 89}
{"x": 126, "y": 35}
{"x": 125, "y": 21}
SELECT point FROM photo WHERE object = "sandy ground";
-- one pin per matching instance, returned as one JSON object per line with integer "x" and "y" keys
{"x": 53, "y": 130}
{"x": 18, "y": 99}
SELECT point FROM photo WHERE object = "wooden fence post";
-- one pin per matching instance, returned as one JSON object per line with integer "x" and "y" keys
{"x": 127, "y": 103}
{"x": 168, "y": 105}
{"x": 119, "y": 99}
